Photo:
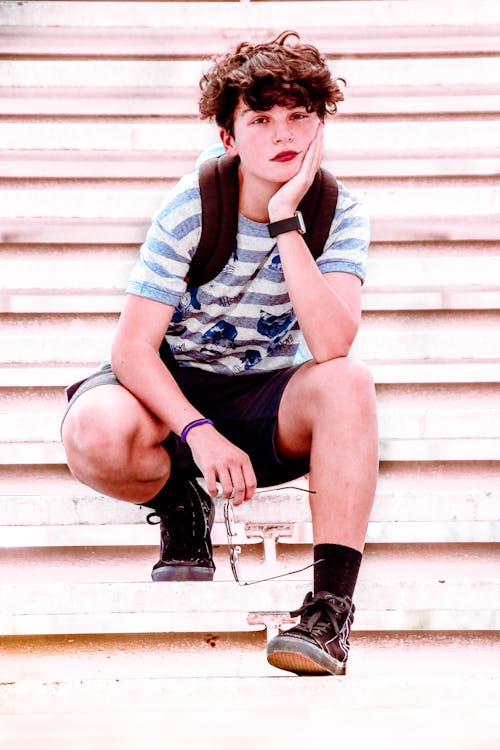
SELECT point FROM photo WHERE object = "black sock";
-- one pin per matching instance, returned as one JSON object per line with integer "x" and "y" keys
{"x": 338, "y": 571}
{"x": 163, "y": 499}
{"x": 173, "y": 487}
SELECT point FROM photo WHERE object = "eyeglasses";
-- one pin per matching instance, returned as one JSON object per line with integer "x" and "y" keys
{"x": 235, "y": 549}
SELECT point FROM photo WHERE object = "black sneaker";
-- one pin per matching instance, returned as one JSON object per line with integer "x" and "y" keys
{"x": 185, "y": 524}
{"x": 319, "y": 644}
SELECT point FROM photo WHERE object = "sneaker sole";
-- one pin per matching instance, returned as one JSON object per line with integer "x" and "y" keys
{"x": 302, "y": 658}
{"x": 183, "y": 573}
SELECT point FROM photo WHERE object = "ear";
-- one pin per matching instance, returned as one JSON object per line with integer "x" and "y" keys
{"x": 228, "y": 142}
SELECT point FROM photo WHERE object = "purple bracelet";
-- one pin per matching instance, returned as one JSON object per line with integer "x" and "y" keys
{"x": 196, "y": 423}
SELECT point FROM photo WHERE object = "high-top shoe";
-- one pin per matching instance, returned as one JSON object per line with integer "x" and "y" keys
{"x": 319, "y": 644}
{"x": 185, "y": 519}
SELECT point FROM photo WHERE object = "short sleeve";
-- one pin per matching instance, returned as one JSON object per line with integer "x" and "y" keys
{"x": 347, "y": 246}
{"x": 171, "y": 241}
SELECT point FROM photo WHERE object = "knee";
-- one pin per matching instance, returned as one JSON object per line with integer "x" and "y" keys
{"x": 345, "y": 379}
{"x": 96, "y": 440}
{"x": 358, "y": 377}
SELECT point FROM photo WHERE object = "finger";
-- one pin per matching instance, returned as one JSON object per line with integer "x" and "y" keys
{"x": 314, "y": 154}
{"x": 226, "y": 483}
{"x": 250, "y": 480}
{"x": 317, "y": 145}
{"x": 239, "y": 486}
{"x": 211, "y": 482}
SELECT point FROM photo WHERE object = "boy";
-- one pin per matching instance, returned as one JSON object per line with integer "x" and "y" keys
{"x": 140, "y": 430}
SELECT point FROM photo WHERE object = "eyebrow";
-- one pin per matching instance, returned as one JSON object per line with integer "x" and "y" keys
{"x": 249, "y": 109}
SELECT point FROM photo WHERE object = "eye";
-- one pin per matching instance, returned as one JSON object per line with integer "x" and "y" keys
{"x": 259, "y": 120}
{"x": 299, "y": 116}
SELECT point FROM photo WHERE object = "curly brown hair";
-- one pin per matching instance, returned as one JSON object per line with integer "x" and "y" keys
{"x": 266, "y": 74}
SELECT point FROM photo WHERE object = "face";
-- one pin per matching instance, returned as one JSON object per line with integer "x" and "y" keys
{"x": 271, "y": 144}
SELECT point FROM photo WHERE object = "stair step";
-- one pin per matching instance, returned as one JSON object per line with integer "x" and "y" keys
{"x": 409, "y": 72}
{"x": 393, "y": 372}
{"x": 32, "y": 521}
{"x": 96, "y": 286}
{"x": 437, "y": 203}
{"x": 451, "y": 298}
{"x": 179, "y": 143}
{"x": 437, "y": 499}
{"x": 416, "y": 214}
{"x": 399, "y": 340}
{"x": 450, "y": 712}
{"x": 133, "y": 564}
{"x": 179, "y": 41}
{"x": 174, "y": 101}
{"x": 157, "y": 656}
{"x": 128, "y": 535}
{"x": 405, "y": 434}
{"x": 28, "y": 609}
{"x": 237, "y": 16}
{"x": 458, "y": 449}
{"x": 131, "y": 231}
{"x": 96, "y": 275}
{"x": 51, "y": 164}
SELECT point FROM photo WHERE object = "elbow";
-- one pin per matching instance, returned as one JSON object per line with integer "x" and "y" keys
{"x": 335, "y": 352}
{"x": 336, "y": 347}
{"x": 126, "y": 354}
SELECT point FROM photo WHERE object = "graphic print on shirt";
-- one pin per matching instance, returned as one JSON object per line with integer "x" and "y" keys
{"x": 229, "y": 268}
{"x": 219, "y": 338}
{"x": 274, "y": 327}
{"x": 275, "y": 264}
{"x": 188, "y": 302}
{"x": 250, "y": 358}
{"x": 193, "y": 298}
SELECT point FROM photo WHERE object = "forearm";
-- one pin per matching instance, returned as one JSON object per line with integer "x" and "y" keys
{"x": 327, "y": 322}
{"x": 139, "y": 368}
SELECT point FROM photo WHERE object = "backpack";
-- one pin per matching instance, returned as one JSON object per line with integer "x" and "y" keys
{"x": 219, "y": 188}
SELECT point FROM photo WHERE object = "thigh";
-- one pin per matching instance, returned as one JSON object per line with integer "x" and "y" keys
{"x": 295, "y": 421}
{"x": 319, "y": 392}
{"x": 244, "y": 409}
{"x": 101, "y": 410}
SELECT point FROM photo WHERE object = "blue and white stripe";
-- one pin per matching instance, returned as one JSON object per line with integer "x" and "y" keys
{"x": 241, "y": 321}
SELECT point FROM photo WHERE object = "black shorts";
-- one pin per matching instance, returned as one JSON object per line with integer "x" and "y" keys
{"x": 244, "y": 408}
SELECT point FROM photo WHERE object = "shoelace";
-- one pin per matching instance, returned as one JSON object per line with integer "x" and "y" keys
{"x": 174, "y": 509}
{"x": 154, "y": 514}
{"x": 319, "y": 612}
{"x": 166, "y": 518}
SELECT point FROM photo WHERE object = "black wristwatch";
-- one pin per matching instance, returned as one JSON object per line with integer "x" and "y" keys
{"x": 294, "y": 223}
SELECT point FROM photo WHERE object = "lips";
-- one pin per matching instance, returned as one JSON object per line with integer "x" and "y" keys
{"x": 284, "y": 156}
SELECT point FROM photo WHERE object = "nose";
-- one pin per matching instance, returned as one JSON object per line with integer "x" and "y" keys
{"x": 282, "y": 133}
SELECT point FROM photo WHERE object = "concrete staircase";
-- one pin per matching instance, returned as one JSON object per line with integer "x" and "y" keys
{"x": 97, "y": 120}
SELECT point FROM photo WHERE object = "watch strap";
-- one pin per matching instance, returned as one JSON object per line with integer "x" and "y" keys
{"x": 294, "y": 223}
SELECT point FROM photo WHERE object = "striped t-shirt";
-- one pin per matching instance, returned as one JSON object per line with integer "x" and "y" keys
{"x": 242, "y": 321}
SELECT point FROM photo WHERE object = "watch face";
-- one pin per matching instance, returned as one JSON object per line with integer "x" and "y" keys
{"x": 302, "y": 226}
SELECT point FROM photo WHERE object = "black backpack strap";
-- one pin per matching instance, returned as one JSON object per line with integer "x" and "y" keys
{"x": 218, "y": 178}
{"x": 219, "y": 188}
{"x": 318, "y": 209}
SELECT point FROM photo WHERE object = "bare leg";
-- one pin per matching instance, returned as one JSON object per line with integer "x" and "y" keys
{"x": 113, "y": 444}
{"x": 328, "y": 411}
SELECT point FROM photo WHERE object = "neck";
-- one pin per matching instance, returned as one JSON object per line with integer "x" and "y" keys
{"x": 254, "y": 197}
